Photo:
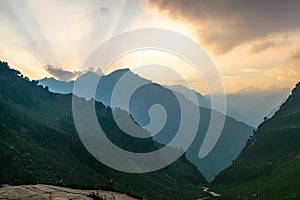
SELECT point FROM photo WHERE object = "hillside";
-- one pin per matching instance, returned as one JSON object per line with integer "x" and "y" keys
{"x": 39, "y": 144}
{"x": 269, "y": 167}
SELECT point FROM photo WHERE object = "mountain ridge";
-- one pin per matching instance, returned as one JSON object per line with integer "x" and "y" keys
{"x": 240, "y": 104}
{"x": 119, "y": 83}
{"x": 39, "y": 144}
{"x": 269, "y": 165}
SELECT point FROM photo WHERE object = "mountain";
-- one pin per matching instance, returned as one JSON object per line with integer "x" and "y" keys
{"x": 205, "y": 102}
{"x": 253, "y": 104}
{"x": 248, "y": 105}
{"x": 202, "y": 101}
{"x": 115, "y": 90}
{"x": 269, "y": 167}
{"x": 56, "y": 86}
{"x": 232, "y": 140}
{"x": 39, "y": 144}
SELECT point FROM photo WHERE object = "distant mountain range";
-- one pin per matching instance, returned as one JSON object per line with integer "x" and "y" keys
{"x": 233, "y": 137}
{"x": 269, "y": 166}
{"x": 249, "y": 105}
{"x": 60, "y": 87}
{"x": 204, "y": 101}
{"x": 253, "y": 104}
{"x": 39, "y": 144}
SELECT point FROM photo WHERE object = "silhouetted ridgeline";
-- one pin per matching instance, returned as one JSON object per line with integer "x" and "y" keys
{"x": 233, "y": 137}
{"x": 269, "y": 167}
{"x": 39, "y": 144}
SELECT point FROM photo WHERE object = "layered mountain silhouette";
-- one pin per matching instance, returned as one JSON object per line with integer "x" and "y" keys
{"x": 269, "y": 166}
{"x": 249, "y": 105}
{"x": 205, "y": 102}
{"x": 115, "y": 90}
{"x": 39, "y": 144}
{"x": 253, "y": 104}
{"x": 60, "y": 87}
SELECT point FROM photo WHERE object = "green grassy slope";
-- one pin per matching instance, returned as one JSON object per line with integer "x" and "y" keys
{"x": 269, "y": 167}
{"x": 39, "y": 144}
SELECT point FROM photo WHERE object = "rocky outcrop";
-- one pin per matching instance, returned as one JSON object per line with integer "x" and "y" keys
{"x": 48, "y": 192}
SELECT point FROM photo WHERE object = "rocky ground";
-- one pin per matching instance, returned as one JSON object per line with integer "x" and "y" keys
{"x": 48, "y": 192}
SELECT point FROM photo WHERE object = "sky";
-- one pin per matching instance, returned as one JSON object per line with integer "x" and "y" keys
{"x": 252, "y": 43}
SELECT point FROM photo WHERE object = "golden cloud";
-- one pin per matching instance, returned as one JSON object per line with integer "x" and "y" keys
{"x": 268, "y": 42}
{"x": 250, "y": 70}
{"x": 290, "y": 70}
{"x": 223, "y": 25}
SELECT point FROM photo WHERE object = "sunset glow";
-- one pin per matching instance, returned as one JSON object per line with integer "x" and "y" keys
{"x": 61, "y": 34}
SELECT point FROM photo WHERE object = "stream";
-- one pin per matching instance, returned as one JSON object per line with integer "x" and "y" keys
{"x": 206, "y": 189}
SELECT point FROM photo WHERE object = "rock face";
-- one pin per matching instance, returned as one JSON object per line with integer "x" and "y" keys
{"x": 48, "y": 192}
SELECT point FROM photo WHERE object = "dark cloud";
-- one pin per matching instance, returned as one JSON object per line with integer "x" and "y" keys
{"x": 295, "y": 54}
{"x": 228, "y": 23}
{"x": 60, "y": 73}
{"x": 67, "y": 75}
{"x": 261, "y": 46}
{"x": 265, "y": 44}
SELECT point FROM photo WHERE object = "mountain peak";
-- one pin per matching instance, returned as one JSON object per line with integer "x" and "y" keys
{"x": 48, "y": 79}
{"x": 249, "y": 89}
{"x": 89, "y": 73}
{"x": 119, "y": 72}
{"x": 252, "y": 89}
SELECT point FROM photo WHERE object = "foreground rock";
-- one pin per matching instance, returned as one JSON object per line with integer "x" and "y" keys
{"x": 46, "y": 192}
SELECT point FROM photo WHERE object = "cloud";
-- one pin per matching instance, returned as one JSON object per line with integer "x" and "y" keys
{"x": 266, "y": 43}
{"x": 249, "y": 70}
{"x": 60, "y": 73}
{"x": 295, "y": 54}
{"x": 290, "y": 70}
{"x": 229, "y": 23}
{"x": 261, "y": 46}
{"x": 68, "y": 75}
{"x": 231, "y": 76}
{"x": 284, "y": 73}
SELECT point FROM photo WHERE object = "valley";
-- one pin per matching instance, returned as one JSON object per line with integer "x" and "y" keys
{"x": 43, "y": 146}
